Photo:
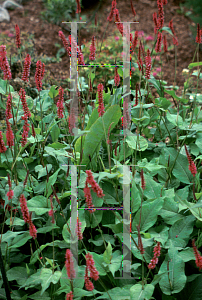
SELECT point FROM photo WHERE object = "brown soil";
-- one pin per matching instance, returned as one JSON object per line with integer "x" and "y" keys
{"x": 46, "y": 35}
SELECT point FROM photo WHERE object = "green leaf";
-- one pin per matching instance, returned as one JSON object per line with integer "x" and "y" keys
{"x": 17, "y": 273}
{"x": 47, "y": 277}
{"x": 20, "y": 240}
{"x": 39, "y": 204}
{"x": 192, "y": 65}
{"x": 182, "y": 228}
{"x": 116, "y": 293}
{"x": 115, "y": 262}
{"x": 138, "y": 293}
{"x": 176, "y": 275}
{"x": 55, "y": 132}
{"x": 149, "y": 215}
{"x": 97, "y": 132}
{"x": 135, "y": 197}
{"x": 181, "y": 167}
{"x": 51, "y": 181}
{"x": 192, "y": 290}
{"x": 107, "y": 255}
{"x": 42, "y": 171}
{"x": 136, "y": 142}
{"x": 152, "y": 189}
{"x": 53, "y": 92}
{"x": 174, "y": 119}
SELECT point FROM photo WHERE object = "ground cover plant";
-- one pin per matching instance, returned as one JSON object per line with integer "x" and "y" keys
{"x": 160, "y": 150}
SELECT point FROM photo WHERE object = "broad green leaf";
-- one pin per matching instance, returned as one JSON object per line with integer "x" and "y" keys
{"x": 53, "y": 92}
{"x": 181, "y": 167}
{"x": 3, "y": 85}
{"x": 175, "y": 280}
{"x": 17, "y": 273}
{"x": 196, "y": 64}
{"x": 117, "y": 293}
{"x": 33, "y": 280}
{"x": 42, "y": 171}
{"x": 47, "y": 277}
{"x": 107, "y": 255}
{"x": 20, "y": 240}
{"x": 93, "y": 118}
{"x": 51, "y": 181}
{"x": 135, "y": 197}
{"x": 149, "y": 215}
{"x": 39, "y": 204}
{"x": 115, "y": 262}
{"x": 187, "y": 254}
{"x": 182, "y": 228}
{"x": 97, "y": 131}
{"x": 161, "y": 236}
{"x": 152, "y": 189}
{"x": 174, "y": 119}
{"x": 136, "y": 142}
{"x": 55, "y": 132}
{"x": 192, "y": 290}
{"x": 138, "y": 293}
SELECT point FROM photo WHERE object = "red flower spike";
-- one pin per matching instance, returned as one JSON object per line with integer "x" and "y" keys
{"x": 143, "y": 185}
{"x": 92, "y": 49}
{"x": 165, "y": 2}
{"x": 119, "y": 25}
{"x": 17, "y": 30}
{"x": 24, "y": 103}
{"x": 90, "y": 264}
{"x": 5, "y": 67}
{"x": 198, "y": 36}
{"x": 78, "y": 11}
{"x": 95, "y": 187}
{"x": 110, "y": 17}
{"x": 9, "y": 134}
{"x": 100, "y": 89}
{"x": 25, "y": 131}
{"x": 192, "y": 166}
{"x": 69, "y": 296}
{"x": 88, "y": 197}
{"x": 60, "y": 103}
{"x": 26, "y": 68}
{"x": 148, "y": 65}
{"x": 135, "y": 40}
{"x": 32, "y": 230}
{"x": 78, "y": 230}
{"x": 69, "y": 264}
{"x": 65, "y": 42}
{"x": 158, "y": 44}
{"x": 197, "y": 255}
{"x": 2, "y": 144}
{"x": 8, "y": 107}
{"x": 160, "y": 14}
{"x": 38, "y": 75}
{"x": 132, "y": 8}
{"x": 88, "y": 284}
{"x": 117, "y": 77}
{"x": 165, "y": 44}
{"x": 157, "y": 253}
{"x": 155, "y": 22}
{"x": 24, "y": 209}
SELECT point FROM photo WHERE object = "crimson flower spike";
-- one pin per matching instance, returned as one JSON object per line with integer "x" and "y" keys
{"x": 143, "y": 185}
{"x": 133, "y": 10}
{"x": 192, "y": 166}
{"x": 78, "y": 11}
{"x": 148, "y": 65}
{"x": 198, "y": 36}
{"x": 197, "y": 255}
{"x": 140, "y": 245}
{"x": 111, "y": 14}
{"x": 157, "y": 253}
{"x": 17, "y": 30}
